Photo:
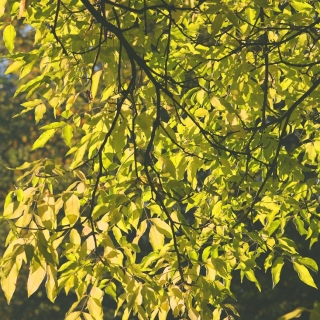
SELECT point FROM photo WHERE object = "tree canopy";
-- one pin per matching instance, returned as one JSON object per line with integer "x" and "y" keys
{"x": 192, "y": 129}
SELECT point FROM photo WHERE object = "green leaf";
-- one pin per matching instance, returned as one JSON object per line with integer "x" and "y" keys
{"x": 276, "y": 270}
{"x": 300, "y": 225}
{"x": 9, "y": 35}
{"x": 162, "y": 227}
{"x": 268, "y": 261}
{"x": 75, "y": 238}
{"x": 39, "y": 112}
{"x": 232, "y": 308}
{"x": 67, "y": 134}
{"x": 251, "y": 276}
{"x": 220, "y": 266}
{"x": 217, "y": 23}
{"x": 43, "y": 139}
{"x": 308, "y": 262}
{"x": 304, "y": 274}
{"x": 108, "y": 92}
{"x": 78, "y": 158}
{"x": 302, "y": 6}
{"x": 111, "y": 290}
{"x": 205, "y": 254}
{"x": 178, "y": 116}
{"x": 43, "y": 246}
{"x": 95, "y": 83}
{"x": 121, "y": 300}
{"x": 16, "y": 65}
{"x": 293, "y": 314}
{"x": 53, "y": 125}
{"x": 232, "y": 18}
{"x": 287, "y": 245}
{"x": 156, "y": 238}
{"x": 20, "y": 194}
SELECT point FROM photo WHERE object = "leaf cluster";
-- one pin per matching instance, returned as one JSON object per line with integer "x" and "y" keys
{"x": 197, "y": 145}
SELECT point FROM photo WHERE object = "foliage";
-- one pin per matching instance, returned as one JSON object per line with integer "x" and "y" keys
{"x": 314, "y": 313}
{"x": 197, "y": 151}
{"x": 17, "y": 136}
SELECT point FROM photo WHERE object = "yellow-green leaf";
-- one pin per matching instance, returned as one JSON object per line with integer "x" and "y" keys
{"x": 217, "y": 23}
{"x": 15, "y": 65}
{"x": 9, "y": 35}
{"x": 302, "y": 6}
{"x": 220, "y": 266}
{"x": 162, "y": 227}
{"x": 293, "y": 314}
{"x": 308, "y": 262}
{"x": 156, "y": 238}
{"x": 111, "y": 290}
{"x": 79, "y": 155}
{"x": 44, "y": 137}
{"x": 108, "y": 92}
{"x": 95, "y": 83}
{"x": 53, "y": 125}
{"x": 75, "y": 237}
{"x": 276, "y": 270}
{"x": 232, "y": 18}
{"x": 67, "y": 134}
{"x": 304, "y": 274}
{"x": 72, "y": 209}
{"x": 201, "y": 112}
{"x": 39, "y": 111}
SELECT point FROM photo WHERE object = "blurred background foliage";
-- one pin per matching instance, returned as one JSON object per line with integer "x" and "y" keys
{"x": 16, "y": 138}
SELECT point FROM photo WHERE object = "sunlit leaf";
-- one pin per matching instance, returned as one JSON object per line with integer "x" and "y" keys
{"x": 156, "y": 238}
{"x": 301, "y": 6}
{"x": 9, "y": 35}
{"x": 40, "y": 111}
{"x": 72, "y": 208}
{"x": 95, "y": 83}
{"x": 304, "y": 274}
{"x": 186, "y": 153}
{"x": 276, "y": 270}
{"x": 36, "y": 276}
{"x": 43, "y": 139}
{"x": 67, "y": 134}
{"x": 8, "y": 283}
